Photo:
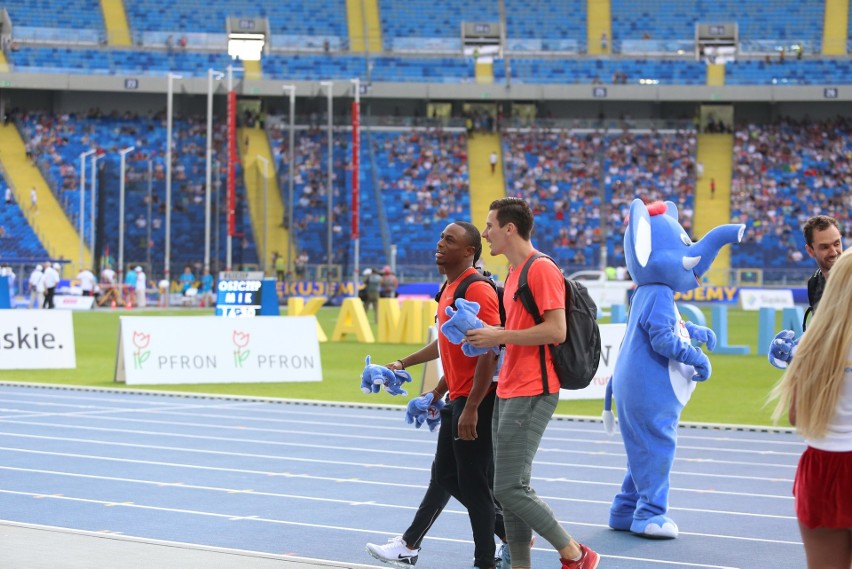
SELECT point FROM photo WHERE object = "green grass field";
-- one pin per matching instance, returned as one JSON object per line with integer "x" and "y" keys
{"x": 735, "y": 394}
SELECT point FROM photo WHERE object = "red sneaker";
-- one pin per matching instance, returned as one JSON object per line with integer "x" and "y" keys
{"x": 588, "y": 560}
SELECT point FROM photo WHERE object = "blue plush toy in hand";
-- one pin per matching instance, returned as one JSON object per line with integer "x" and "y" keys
{"x": 460, "y": 322}
{"x": 374, "y": 377}
{"x": 783, "y": 348}
{"x": 424, "y": 410}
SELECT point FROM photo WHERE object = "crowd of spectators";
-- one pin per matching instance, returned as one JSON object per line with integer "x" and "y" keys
{"x": 783, "y": 173}
{"x": 425, "y": 171}
{"x": 561, "y": 172}
{"x": 55, "y": 142}
{"x": 311, "y": 189}
{"x": 579, "y": 183}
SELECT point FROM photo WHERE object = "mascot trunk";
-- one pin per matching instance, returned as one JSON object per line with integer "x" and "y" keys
{"x": 658, "y": 365}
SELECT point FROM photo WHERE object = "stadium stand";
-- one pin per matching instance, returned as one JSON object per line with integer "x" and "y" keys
{"x": 777, "y": 22}
{"x": 579, "y": 177}
{"x": 784, "y": 173}
{"x": 57, "y": 142}
{"x": 423, "y": 180}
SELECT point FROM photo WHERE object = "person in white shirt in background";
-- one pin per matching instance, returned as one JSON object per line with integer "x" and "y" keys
{"x": 163, "y": 297}
{"x": 87, "y": 282}
{"x": 107, "y": 275}
{"x": 50, "y": 280}
{"x": 36, "y": 287}
{"x": 10, "y": 274}
{"x": 140, "y": 287}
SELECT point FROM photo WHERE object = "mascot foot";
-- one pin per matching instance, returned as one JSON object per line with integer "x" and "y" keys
{"x": 620, "y": 523}
{"x": 657, "y": 527}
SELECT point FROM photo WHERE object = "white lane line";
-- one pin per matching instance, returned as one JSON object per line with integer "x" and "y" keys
{"x": 289, "y": 405}
{"x": 226, "y": 516}
{"x": 615, "y": 445}
{"x": 369, "y": 466}
{"x": 219, "y": 489}
{"x": 365, "y": 450}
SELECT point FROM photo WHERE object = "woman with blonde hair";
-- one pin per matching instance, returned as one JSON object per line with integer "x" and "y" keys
{"x": 816, "y": 390}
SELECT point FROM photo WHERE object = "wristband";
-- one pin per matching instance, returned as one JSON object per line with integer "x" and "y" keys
{"x": 401, "y": 363}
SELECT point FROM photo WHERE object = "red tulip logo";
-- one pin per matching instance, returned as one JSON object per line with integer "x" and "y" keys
{"x": 241, "y": 340}
{"x": 140, "y": 341}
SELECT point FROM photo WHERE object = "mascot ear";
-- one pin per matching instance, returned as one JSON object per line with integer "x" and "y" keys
{"x": 367, "y": 361}
{"x": 640, "y": 231}
{"x": 671, "y": 210}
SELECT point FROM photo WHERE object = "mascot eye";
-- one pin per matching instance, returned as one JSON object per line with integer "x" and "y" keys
{"x": 686, "y": 240}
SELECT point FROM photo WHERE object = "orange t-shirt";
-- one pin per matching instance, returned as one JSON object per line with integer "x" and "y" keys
{"x": 459, "y": 368}
{"x": 520, "y": 375}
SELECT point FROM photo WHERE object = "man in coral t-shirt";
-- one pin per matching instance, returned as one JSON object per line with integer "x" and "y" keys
{"x": 464, "y": 459}
{"x": 523, "y": 409}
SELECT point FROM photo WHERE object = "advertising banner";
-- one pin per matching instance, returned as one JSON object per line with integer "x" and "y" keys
{"x": 757, "y": 298}
{"x": 208, "y": 349}
{"x": 611, "y": 336}
{"x": 71, "y": 302}
{"x": 37, "y": 339}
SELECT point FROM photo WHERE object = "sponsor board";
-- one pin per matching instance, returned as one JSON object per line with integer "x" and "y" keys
{"x": 71, "y": 302}
{"x": 611, "y": 336}
{"x": 207, "y": 349}
{"x": 37, "y": 339}
{"x": 708, "y": 294}
{"x": 757, "y": 298}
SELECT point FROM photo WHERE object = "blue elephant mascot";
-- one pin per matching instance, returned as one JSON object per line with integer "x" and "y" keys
{"x": 658, "y": 365}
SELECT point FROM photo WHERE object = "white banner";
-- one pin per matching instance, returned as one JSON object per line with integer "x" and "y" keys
{"x": 37, "y": 339}
{"x": 611, "y": 336}
{"x": 70, "y": 302}
{"x": 210, "y": 349}
{"x": 757, "y": 298}
{"x": 607, "y": 293}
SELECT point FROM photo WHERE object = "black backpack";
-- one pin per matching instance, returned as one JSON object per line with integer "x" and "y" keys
{"x": 577, "y": 358}
{"x": 816, "y": 285}
{"x": 461, "y": 291}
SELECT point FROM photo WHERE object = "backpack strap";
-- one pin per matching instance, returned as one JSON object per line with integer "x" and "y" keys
{"x": 525, "y": 296}
{"x": 814, "y": 296}
{"x": 461, "y": 291}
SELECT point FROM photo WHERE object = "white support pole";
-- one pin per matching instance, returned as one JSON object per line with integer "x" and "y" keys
{"x": 291, "y": 89}
{"x": 329, "y": 87}
{"x": 82, "y": 214}
{"x": 93, "y": 188}
{"x": 265, "y": 262}
{"x": 122, "y": 154}
{"x": 229, "y": 245}
{"x": 211, "y": 76}
{"x": 169, "y": 120}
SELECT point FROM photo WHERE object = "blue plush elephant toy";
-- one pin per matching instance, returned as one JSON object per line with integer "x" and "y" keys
{"x": 461, "y": 320}
{"x": 783, "y": 348}
{"x": 424, "y": 410}
{"x": 658, "y": 365}
{"x": 375, "y": 377}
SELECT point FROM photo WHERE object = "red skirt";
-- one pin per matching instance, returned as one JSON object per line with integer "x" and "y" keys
{"x": 823, "y": 489}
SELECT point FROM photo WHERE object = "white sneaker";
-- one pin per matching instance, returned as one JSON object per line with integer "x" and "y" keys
{"x": 394, "y": 552}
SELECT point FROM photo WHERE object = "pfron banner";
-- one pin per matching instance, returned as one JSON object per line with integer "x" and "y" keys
{"x": 207, "y": 349}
